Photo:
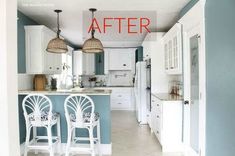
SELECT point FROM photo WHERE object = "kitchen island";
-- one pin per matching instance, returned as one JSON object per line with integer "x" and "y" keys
{"x": 101, "y": 98}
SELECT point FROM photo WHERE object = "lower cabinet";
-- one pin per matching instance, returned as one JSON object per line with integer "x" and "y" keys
{"x": 166, "y": 123}
{"x": 122, "y": 99}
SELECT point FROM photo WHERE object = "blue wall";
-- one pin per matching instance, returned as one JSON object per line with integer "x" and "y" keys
{"x": 187, "y": 8}
{"x": 102, "y": 106}
{"x": 22, "y": 21}
{"x": 220, "y": 77}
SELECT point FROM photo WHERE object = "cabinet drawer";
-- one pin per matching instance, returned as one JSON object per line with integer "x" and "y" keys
{"x": 120, "y": 104}
{"x": 119, "y": 96}
{"x": 157, "y": 106}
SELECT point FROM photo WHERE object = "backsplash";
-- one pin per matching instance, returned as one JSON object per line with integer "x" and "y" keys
{"x": 175, "y": 84}
{"x": 25, "y": 82}
{"x": 114, "y": 78}
{"x": 120, "y": 78}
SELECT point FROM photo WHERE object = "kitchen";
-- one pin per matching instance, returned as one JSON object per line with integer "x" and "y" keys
{"x": 140, "y": 78}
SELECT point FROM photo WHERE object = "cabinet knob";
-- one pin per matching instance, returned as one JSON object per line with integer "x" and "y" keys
{"x": 186, "y": 102}
{"x": 124, "y": 64}
{"x": 57, "y": 68}
{"x": 157, "y": 116}
{"x": 157, "y": 104}
{"x": 119, "y": 95}
{"x": 157, "y": 132}
{"x": 171, "y": 67}
{"x": 119, "y": 103}
{"x": 50, "y": 67}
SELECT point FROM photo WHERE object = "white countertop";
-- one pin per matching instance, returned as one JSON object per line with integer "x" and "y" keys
{"x": 89, "y": 91}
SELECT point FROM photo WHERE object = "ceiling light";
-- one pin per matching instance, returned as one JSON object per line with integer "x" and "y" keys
{"x": 57, "y": 45}
{"x": 92, "y": 45}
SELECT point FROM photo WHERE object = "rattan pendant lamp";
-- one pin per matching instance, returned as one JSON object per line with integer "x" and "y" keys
{"x": 57, "y": 45}
{"x": 92, "y": 45}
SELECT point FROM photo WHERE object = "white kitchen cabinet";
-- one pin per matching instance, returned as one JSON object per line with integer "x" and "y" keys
{"x": 83, "y": 63}
{"x": 166, "y": 123}
{"x": 122, "y": 98}
{"x": 119, "y": 59}
{"x": 173, "y": 50}
{"x": 38, "y": 60}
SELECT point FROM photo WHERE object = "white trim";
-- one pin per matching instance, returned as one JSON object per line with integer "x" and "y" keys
{"x": 9, "y": 131}
{"x": 106, "y": 149}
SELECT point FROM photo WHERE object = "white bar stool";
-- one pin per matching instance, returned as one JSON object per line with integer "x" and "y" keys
{"x": 38, "y": 113}
{"x": 79, "y": 113}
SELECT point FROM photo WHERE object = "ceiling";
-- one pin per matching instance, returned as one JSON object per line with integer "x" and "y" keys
{"x": 75, "y": 16}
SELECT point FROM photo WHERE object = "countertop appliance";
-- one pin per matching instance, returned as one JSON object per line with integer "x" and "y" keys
{"x": 140, "y": 91}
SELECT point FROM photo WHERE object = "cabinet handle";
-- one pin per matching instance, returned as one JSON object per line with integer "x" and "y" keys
{"x": 186, "y": 102}
{"x": 171, "y": 67}
{"x": 153, "y": 101}
{"x": 119, "y": 103}
{"x": 119, "y": 95}
{"x": 157, "y": 132}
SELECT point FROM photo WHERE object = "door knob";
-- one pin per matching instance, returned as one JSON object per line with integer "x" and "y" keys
{"x": 186, "y": 102}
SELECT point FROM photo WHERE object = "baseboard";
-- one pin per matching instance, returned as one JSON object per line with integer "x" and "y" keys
{"x": 106, "y": 149}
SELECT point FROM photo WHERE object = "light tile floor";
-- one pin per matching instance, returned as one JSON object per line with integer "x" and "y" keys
{"x": 131, "y": 139}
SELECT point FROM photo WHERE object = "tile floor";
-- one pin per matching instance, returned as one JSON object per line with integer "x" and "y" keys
{"x": 131, "y": 139}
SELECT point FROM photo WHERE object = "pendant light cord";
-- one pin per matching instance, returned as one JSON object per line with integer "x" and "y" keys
{"x": 93, "y": 30}
{"x": 58, "y": 25}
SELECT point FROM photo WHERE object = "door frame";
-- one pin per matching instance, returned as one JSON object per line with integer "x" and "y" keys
{"x": 187, "y": 88}
{"x": 192, "y": 22}
{"x": 9, "y": 132}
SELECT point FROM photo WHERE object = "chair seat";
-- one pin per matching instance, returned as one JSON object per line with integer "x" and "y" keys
{"x": 86, "y": 117}
{"x": 44, "y": 117}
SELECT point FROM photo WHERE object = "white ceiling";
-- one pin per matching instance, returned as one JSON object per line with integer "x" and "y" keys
{"x": 72, "y": 16}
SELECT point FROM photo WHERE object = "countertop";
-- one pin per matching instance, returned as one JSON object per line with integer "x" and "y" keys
{"x": 168, "y": 97}
{"x": 89, "y": 91}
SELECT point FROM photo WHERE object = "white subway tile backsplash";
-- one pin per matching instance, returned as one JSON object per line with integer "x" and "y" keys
{"x": 25, "y": 81}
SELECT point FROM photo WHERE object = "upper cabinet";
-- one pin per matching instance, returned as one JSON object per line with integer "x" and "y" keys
{"x": 119, "y": 59}
{"x": 38, "y": 60}
{"x": 83, "y": 63}
{"x": 173, "y": 50}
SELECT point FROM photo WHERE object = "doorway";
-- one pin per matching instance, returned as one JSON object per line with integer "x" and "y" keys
{"x": 192, "y": 90}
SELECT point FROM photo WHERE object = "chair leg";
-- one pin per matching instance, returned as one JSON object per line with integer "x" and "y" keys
{"x": 91, "y": 141}
{"x": 34, "y": 137}
{"x": 59, "y": 136}
{"x": 99, "y": 138}
{"x": 68, "y": 141}
{"x": 50, "y": 141}
{"x": 27, "y": 140}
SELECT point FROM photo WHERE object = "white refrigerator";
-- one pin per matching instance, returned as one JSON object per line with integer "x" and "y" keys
{"x": 140, "y": 91}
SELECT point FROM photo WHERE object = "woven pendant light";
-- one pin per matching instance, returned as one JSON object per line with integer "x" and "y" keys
{"x": 92, "y": 45}
{"x": 57, "y": 45}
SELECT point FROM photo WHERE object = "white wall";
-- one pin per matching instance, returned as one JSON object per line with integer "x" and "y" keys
{"x": 9, "y": 131}
{"x": 159, "y": 78}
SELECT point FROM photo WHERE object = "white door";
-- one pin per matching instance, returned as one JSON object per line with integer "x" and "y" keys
{"x": 191, "y": 91}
